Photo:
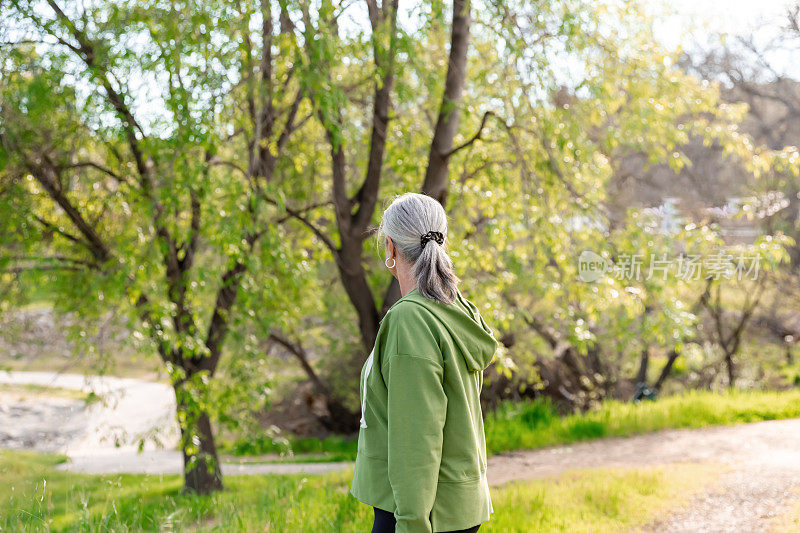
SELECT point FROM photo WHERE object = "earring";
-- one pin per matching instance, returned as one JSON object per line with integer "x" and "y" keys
{"x": 387, "y": 262}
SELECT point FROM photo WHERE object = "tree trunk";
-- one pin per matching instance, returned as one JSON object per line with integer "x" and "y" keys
{"x": 202, "y": 472}
{"x": 731, "y": 370}
{"x": 355, "y": 283}
{"x": 436, "y": 173}
{"x": 666, "y": 370}
{"x": 644, "y": 361}
{"x": 435, "y": 184}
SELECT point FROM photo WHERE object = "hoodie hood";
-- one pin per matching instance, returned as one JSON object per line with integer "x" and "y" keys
{"x": 471, "y": 336}
{"x": 462, "y": 319}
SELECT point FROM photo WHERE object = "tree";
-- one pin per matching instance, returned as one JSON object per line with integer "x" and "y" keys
{"x": 141, "y": 146}
{"x": 355, "y": 212}
{"x": 537, "y": 190}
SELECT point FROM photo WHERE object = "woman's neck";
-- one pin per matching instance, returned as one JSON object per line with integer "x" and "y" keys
{"x": 406, "y": 280}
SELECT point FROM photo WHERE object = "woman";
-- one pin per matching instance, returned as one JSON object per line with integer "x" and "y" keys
{"x": 421, "y": 460}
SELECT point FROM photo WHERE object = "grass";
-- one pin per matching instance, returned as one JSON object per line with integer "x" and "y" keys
{"x": 283, "y": 459}
{"x": 34, "y": 496}
{"x": 535, "y": 424}
{"x": 137, "y": 366}
{"x": 35, "y": 392}
{"x": 598, "y": 500}
{"x": 294, "y": 449}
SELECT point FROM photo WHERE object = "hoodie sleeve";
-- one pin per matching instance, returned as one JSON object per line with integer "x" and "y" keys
{"x": 417, "y": 407}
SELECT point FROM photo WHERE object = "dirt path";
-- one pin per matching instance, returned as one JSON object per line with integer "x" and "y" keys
{"x": 764, "y": 461}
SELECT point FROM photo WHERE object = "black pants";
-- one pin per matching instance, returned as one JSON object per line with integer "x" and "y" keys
{"x": 385, "y": 522}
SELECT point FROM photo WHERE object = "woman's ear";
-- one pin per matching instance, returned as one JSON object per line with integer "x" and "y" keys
{"x": 389, "y": 246}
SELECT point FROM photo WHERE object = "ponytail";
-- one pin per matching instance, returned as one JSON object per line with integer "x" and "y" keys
{"x": 417, "y": 225}
{"x": 434, "y": 273}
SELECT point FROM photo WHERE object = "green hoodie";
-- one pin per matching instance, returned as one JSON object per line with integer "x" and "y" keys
{"x": 421, "y": 448}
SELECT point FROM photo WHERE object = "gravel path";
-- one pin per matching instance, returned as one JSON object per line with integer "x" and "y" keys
{"x": 103, "y": 437}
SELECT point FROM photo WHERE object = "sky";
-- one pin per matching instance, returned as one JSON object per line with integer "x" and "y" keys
{"x": 728, "y": 15}
{"x": 693, "y": 21}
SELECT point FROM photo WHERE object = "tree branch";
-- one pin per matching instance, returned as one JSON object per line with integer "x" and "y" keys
{"x": 47, "y": 178}
{"x": 299, "y": 353}
{"x": 96, "y": 166}
{"x": 297, "y": 214}
{"x": 474, "y": 137}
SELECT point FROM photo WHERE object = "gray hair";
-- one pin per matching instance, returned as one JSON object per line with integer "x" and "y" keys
{"x": 410, "y": 216}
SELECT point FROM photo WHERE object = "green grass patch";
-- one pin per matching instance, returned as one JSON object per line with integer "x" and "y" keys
{"x": 533, "y": 424}
{"x": 293, "y": 449}
{"x": 27, "y": 392}
{"x": 598, "y": 500}
{"x": 36, "y": 497}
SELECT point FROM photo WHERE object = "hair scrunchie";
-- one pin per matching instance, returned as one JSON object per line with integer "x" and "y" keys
{"x": 432, "y": 236}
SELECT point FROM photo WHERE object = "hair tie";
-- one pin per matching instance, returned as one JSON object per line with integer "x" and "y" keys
{"x": 432, "y": 236}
